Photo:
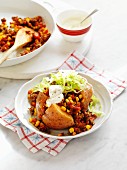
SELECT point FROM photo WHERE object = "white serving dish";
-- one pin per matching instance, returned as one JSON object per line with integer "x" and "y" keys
{"x": 25, "y": 8}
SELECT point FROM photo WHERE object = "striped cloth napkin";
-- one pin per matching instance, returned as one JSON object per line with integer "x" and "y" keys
{"x": 35, "y": 142}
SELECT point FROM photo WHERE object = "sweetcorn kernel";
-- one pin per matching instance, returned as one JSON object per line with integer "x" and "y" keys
{"x": 5, "y": 26}
{"x": 77, "y": 99}
{"x": 28, "y": 48}
{"x": 12, "y": 25}
{"x": 9, "y": 38}
{"x": 8, "y": 43}
{"x": 63, "y": 108}
{"x": 27, "y": 19}
{"x": 71, "y": 101}
{"x": 68, "y": 111}
{"x": 69, "y": 98}
{"x": 71, "y": 130}
{"x": 19, "y": 20}
{"x": 30, "y": 119}
{"x": 37, "y": 123}
{"x": 35, "y": 112}
{"x": 88, "y": 127}
{"x": 80, "y": 96}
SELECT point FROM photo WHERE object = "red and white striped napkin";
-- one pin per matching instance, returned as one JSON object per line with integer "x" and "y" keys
{"x": 35, "y": 142}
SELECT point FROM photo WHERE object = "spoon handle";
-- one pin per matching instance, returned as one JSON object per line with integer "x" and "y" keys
{"x": 6, "y": 54}
{"x": 94, "y": 11}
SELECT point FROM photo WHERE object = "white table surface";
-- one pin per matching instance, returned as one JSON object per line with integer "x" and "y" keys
{"x": 106, "y": 149}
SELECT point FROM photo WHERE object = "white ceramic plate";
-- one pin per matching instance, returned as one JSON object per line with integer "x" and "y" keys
{"x": 22, "y": 105}
{"x": 25, "y": 8}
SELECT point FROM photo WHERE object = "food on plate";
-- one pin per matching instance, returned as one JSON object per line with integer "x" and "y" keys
{"x": 56, "y": 118}
{"x": 65, "y": 100}
{"x": 8, "y": 33}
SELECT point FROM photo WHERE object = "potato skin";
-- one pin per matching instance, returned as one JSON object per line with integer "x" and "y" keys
{"x": 57, "y": 119}
{"x": 87, "y": 94}
{"x": 40, "y": 104}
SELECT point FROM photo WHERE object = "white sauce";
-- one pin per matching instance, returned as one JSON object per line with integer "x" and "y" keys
{"x": 75, "y": 23}
{"x": 55, "y": 95}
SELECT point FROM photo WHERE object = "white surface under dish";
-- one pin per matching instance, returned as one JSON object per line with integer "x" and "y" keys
{"x": 23, "y": 9}
{"x": 22, "y": 105}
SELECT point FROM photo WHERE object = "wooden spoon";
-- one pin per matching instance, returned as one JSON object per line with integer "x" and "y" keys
{"x": 23, "y": 36}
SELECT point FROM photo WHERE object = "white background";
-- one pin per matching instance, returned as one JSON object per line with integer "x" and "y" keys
{"x": 106, "y": 149}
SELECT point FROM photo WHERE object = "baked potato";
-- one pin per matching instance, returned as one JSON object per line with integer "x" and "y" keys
{"x": 55, "y": 118}
{"x": 86, "y": 95}
{"x": 40, "y": 104}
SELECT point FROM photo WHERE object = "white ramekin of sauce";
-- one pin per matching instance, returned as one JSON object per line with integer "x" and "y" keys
{"x": 70, "y": 26}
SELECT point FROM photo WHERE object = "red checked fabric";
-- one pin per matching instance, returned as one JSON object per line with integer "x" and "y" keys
{"x": 35, "y": 142}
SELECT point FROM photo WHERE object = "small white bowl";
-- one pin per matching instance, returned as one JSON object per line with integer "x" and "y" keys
{"x": 68, "y": 23}
{"x": 22, "y": 105}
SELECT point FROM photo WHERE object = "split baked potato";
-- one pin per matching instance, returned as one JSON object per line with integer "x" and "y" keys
{"x": 53, "y": 117}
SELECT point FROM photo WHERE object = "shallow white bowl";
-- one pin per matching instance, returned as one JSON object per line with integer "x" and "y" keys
{"x": 25, "y": 8}
{"x": 22, "y": 105}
